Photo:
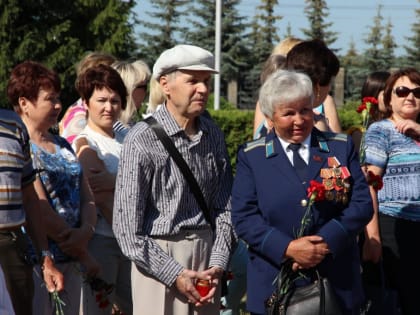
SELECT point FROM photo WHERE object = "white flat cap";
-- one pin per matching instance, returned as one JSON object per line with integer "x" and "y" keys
{"x": 183, "y": 57}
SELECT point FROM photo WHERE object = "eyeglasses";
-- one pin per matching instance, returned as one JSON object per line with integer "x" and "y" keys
{"x": 141, "y": 86}
{"x": 403, "y": 91}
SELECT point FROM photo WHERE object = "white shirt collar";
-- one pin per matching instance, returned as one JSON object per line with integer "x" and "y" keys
{"x": 303, "y": 151}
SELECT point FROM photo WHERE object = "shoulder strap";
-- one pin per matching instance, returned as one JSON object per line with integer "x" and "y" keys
{"x": 179, "y": 160}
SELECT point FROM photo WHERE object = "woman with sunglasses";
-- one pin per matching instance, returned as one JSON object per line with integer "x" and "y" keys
{"x": 135, "y": 75}
{"x": 393, "y": 151}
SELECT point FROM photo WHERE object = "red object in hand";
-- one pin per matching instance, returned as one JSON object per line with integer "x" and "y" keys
{"x": 203, "y": 287}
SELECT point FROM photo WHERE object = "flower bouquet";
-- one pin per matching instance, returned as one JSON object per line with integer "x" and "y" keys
{"x": 366, "y": 109}
{"x": 312, "y": 298}
{"x": 101, "y": 289}
{"x": 58, "y": 303}
{"x": 316, "y": 192}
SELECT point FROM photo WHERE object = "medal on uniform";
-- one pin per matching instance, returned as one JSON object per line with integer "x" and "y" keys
{"x": 329, "y": 195}
{"x": 333, "y": 162}
{"x": 336, "y": 181}
{"x": 339, "y": 184}
{"x": 336, "y": 171}
{"x": 328, "y": 183}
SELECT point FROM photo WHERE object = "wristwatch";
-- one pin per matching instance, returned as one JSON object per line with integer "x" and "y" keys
{"x": 46, "y": 253}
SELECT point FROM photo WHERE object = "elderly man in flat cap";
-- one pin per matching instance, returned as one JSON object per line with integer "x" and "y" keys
{"x": 179, "y": 250}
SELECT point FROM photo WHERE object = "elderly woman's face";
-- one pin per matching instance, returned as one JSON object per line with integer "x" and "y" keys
{"x": 293, "y": 122}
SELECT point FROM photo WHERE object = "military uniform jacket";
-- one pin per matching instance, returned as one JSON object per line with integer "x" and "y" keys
{"x": 269, "y": 200}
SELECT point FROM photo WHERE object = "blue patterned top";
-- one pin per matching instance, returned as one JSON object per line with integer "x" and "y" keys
{"x": 399, "y": 157}
{"x": 61, "y": 175}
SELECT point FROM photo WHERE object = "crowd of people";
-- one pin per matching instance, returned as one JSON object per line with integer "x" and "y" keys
{"x": 121, "y": 215}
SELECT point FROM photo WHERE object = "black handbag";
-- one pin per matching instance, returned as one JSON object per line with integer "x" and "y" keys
{"x": 317, "y": 298}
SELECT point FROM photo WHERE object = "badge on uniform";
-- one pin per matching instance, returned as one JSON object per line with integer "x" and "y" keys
{"x": 336, "y": 180}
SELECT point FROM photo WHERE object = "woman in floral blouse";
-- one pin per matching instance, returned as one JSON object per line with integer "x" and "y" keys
{"x": 65, "y": 193}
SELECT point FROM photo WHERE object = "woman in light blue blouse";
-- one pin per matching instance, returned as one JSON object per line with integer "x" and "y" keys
{"x": 393, "y": 151}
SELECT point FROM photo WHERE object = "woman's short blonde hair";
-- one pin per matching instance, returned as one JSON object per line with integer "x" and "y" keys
{"x": 156, "y": 96}
{"x": 132, "y": 73}
{"x": 285, "y": 46}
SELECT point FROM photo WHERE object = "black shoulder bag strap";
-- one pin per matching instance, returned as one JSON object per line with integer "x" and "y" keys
{"x": 185, "y": 170}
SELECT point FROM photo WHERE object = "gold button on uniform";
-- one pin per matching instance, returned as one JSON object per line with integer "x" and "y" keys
{"x": 304, "y": 202}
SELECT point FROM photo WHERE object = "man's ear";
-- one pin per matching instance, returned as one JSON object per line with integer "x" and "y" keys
{"x": 164, "y": 84}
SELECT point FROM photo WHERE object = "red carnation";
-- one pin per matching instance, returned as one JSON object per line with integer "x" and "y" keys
{"x": 361, "y": 108}
{"x": 370, "y": 99}
{"x": 375, "y": 181}
{"x": 316, "y": 191}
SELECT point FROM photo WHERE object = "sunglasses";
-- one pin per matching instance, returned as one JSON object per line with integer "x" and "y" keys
{"x": 403, "y": 91}
{"x": 141, "y": 86}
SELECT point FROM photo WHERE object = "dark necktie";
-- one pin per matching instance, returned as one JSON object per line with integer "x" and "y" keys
{"x": 298, "y": 163}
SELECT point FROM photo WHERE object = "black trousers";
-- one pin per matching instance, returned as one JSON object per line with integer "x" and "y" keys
{"x": 401, "y": 260}
{"x": 17, "y": 272}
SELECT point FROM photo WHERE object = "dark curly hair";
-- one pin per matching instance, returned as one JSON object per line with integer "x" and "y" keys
{"x": 315, "y": 59}
{"x": 99, "y": 77}
{"x": 27, "y": 78}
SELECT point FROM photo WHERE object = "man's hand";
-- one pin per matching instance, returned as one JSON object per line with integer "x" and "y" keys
{"x": 185, "y": 284}
{"x": 215, "y": 274}
{"x": 54, "y": 279}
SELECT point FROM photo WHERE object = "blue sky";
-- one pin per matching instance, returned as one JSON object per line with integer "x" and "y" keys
{"x": 350, "y": 21}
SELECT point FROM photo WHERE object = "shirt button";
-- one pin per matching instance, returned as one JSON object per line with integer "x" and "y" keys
{"x": 303, "y": 202}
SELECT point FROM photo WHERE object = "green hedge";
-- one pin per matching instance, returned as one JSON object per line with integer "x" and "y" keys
{"x": 237, "y": 125}
{"x": 349, "y": 116}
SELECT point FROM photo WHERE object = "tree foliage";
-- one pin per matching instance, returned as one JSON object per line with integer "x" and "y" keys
{"x": 58, "y": 33}
{"x": 389, "y": 45}
{"x": 355, "y": 72}
{"x": 261, "y": 40}
{"x": 164, "y": 30}
{"x": 374, "y": 57}
{"x": 317, "y": 12}
{"x": 413, "y": 51}
{"x": 233, "y": 49}
{"x": 264, "y": 34}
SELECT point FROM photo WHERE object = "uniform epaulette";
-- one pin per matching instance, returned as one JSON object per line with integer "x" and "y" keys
{"x": 335, "y": 136}
{"x": 254, "y": 144}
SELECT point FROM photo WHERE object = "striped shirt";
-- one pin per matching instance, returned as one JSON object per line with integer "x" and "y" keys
{"x": 399, "y": 156}
{"x": 120, "y": 127}
{"x": 152, "y": 198}
{"x": 15, "y": 168}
